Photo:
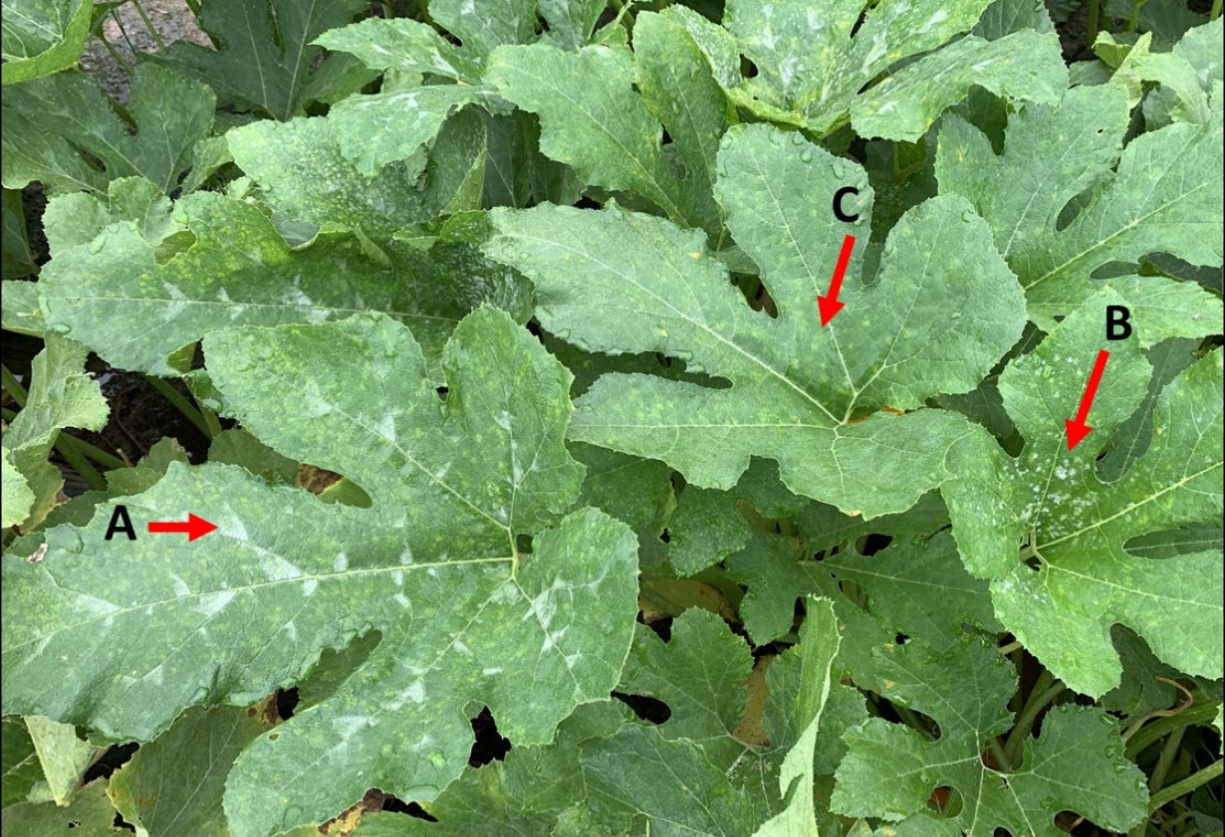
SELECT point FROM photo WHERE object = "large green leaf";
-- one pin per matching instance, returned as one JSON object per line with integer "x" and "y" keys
{"x": 437, "y": 564}
{"x": 1163, "y": 197}
{"x": 1076, "y": 527}
{"x": 891, "y": 770}
{"x": 624, "y": 282}
{"x": 264, "y": 60}
{"x": 40, "y": 37}
{"x": 58, "y": 129}
{"x": 593, "y": 119}
{"x": 120, "y": 294}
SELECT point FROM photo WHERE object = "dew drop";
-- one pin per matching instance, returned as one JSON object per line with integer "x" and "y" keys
{"x": 95, "y": 246}
{"x": 806, "y": 155}
{"x": 969, "y": 216}
{"x": 839, "y": 168}
{"x": 797, "y": 138}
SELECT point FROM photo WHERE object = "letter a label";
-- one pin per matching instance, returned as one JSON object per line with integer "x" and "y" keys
{"x": 120, "y": 522}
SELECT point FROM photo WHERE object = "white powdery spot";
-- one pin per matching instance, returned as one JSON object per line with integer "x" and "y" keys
{"x": 233, "y": 528}
{"x": 940, "y": 16}
{"x": 573, "y": 659}
{"x": 340, "y": 563}
{"x": 401, "y": 600}
{"x": 543, "y": 608}
{"x": 386, "y": 426}
{"x": 155, "y": 675}
{"x": 278, "y": 569}
{"x": 397, "y": 577}
{"x": 460, "y": 647}
{"x": 489, "y": 672}
{"x": 406, "y": 557}
{"x": 291, "y": 631}
{"x": 348, "y": 726}
{"x": 551, "y": 639}
{"x": 308, "y": 587}
{"x": 416, "y": 693}
{"x": 180, "y": 587}
{"x": 211, "y": 604}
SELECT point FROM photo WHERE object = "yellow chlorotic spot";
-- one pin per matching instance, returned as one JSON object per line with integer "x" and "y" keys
{"x": 695, "y": 255}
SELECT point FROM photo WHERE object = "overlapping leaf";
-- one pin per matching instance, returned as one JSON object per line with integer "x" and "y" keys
{"x": 890, "y": 770}
{"x": 593, "y": 119}
{"x": 304, "y": 172}
{"x": 812, "y": 66}
{"x": 434, "y": 77}
{"x": 58, "y": 129}
{"x": 941, "y": 311}
{"x": 173, "y": 786}
{"x": 40, "y": 37}
{"x": 1067, "y": 211}
{"x": 1077, "y": 528}
{"x": 436, "y": 564}
{"x": 119, "y": 293}
{"x": 61, "y": 395}
{"x": 264, "y": 60}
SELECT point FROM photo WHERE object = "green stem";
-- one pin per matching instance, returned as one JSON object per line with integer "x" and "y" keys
{"x": 13, "y": 386}
{"x": 1199, "y": 714}
{"x": 1168, "y": 753}
{"x": 122, "y": 30}
{"x": 1001, "y": 757}
{"x": 1045, "y": 690}
{"x": 912, "y": 719}
{"x": 1134, "y": 20}
{"x": 119, "y": 59}
{"x": 181, "y": 404}
{"x": 73, "y": 456}
{"x": 1185, "y": 786}
{"x": 106, "y": 460}
{"x": 624, "y": 10}
{"x": 1216, "y": 10}
{"x": 1015, "y": 645}
{"x": 1091, "y": 26}
{"x": 157, "y": 39}
{"x": 194, "y": 5}
{"x": 210, "y": 418}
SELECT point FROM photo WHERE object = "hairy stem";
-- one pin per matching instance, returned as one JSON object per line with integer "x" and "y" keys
{"x": 1172, "y": 792}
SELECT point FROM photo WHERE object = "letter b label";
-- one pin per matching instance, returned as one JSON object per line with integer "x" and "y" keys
{"x": 1118, "y": 322}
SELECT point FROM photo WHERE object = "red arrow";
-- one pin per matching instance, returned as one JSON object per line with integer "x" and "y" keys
{"x": 1077, "y": 429}
{"x": 195, "y": 527}
{"x": 829, "y": 304}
